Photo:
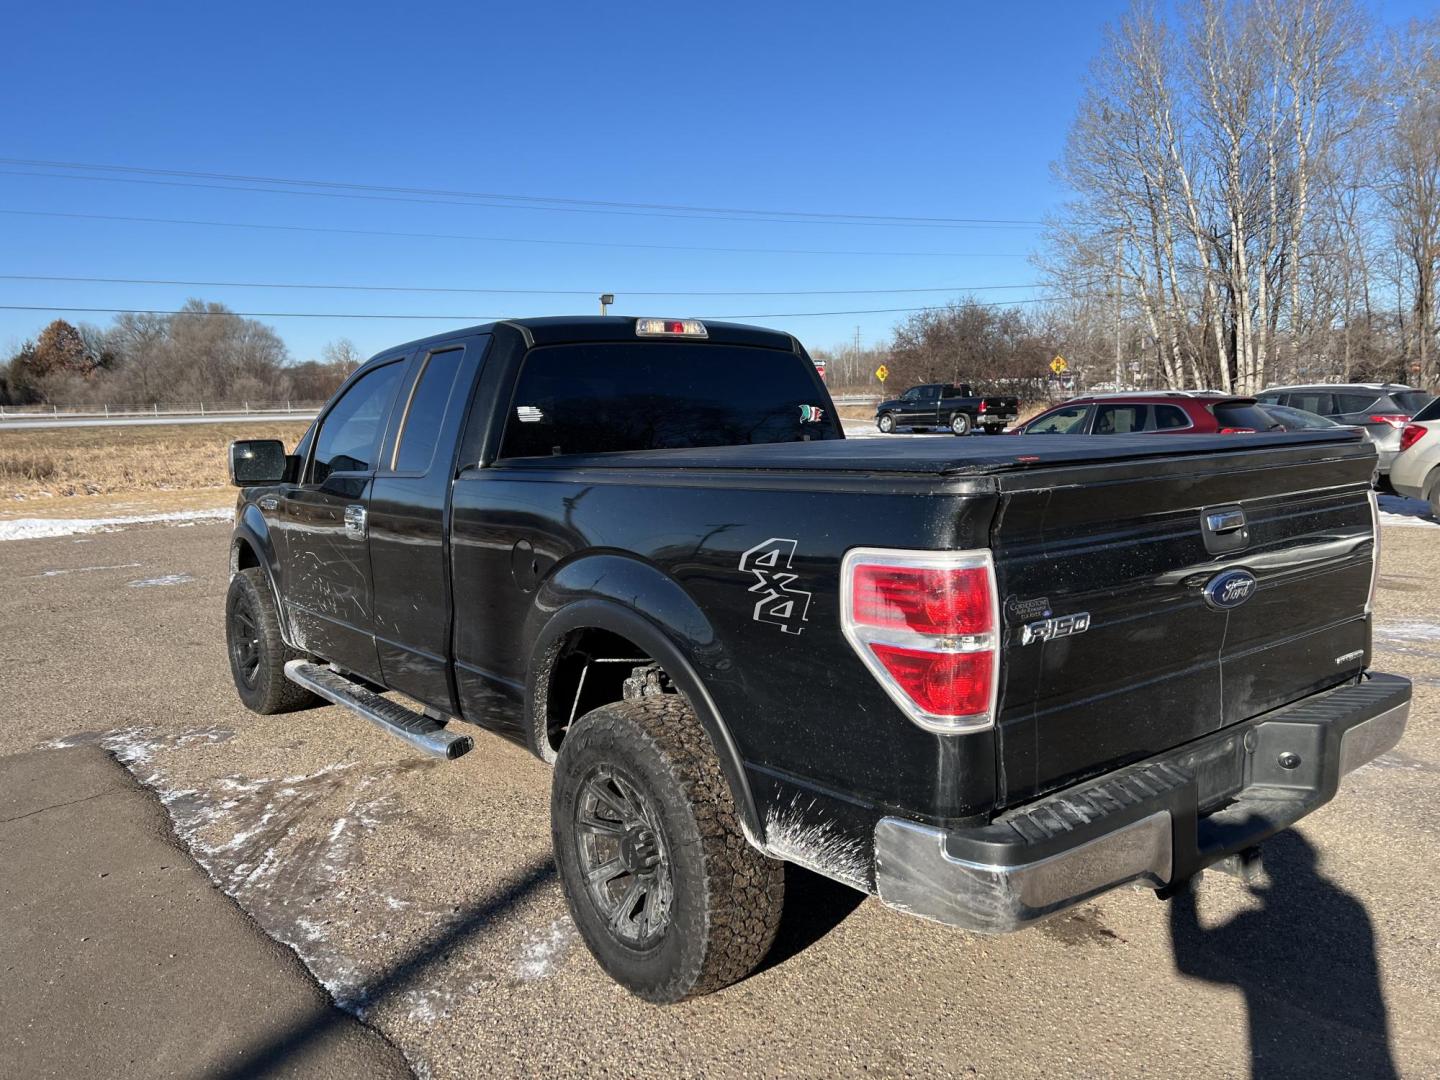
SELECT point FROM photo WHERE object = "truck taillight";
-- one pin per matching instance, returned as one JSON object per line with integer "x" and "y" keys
{"x": 1411, "y": 434}
{"x": 926, "y": 624}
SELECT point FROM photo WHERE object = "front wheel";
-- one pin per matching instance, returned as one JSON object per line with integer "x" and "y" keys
{"x": 257, "y": 651}
{"x": 886, "y": 424}
{"x": 960, "y": 423}
{"x": 660, "y": 880}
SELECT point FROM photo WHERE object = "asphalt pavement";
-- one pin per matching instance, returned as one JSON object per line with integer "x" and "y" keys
{"x": 422, "y": 894}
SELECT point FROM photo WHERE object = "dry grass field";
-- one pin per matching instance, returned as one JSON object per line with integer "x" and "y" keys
{"x": 57, "y": 462}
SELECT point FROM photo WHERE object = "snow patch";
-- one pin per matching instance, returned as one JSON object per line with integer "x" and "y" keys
{"x": 1402, "y": 511}
{"x": 543, "y": 950}
{"x": 165, "y": 579}
{"x": 41, "y": 528}
{"x": 87, "y": 569}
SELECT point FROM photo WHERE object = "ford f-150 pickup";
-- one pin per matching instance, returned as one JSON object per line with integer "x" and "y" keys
{"x": 982, "y": 681}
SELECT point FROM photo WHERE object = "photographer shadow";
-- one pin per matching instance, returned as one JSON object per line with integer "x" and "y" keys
{"x": 1305, "y": 961}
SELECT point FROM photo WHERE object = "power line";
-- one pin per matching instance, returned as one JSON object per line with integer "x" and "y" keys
{"x": 451, "y": 201}
{"x": 528, "y": 199}
{"x": 472, "y": 317}
{"x": 504, "y": 239}
{"x": 509, "y": 292}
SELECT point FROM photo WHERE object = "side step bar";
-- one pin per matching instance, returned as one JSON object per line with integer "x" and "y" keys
{"x": 418, "y": 730}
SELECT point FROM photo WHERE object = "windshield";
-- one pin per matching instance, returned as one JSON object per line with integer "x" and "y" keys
{"x": 1430, "y": 412}
{"x": 1412, "y": 401}
{"x": 601, "y": 398}
{"x": 1297, "y": 419}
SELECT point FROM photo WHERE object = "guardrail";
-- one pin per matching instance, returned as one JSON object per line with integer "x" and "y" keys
{"x": 177, "y": 408}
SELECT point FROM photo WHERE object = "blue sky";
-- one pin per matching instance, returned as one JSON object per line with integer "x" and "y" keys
{"x": 950, "y": 110}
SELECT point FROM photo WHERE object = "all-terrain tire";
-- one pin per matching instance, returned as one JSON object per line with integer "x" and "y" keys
{"x": 257, "y": 651}
{"x": 886, "y": 423}
{"x": 724, "y": 897}
{"x": 960, "y": 424}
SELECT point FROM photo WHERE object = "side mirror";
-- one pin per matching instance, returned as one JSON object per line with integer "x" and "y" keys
{"x": 257, "y": 461}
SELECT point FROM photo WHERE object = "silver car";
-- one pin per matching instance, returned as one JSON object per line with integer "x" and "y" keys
{"x": 1382, "y": 409}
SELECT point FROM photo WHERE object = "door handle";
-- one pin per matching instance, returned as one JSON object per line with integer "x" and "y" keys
{"x": 355, "y": 521}
{"x": 1224, "y": 522}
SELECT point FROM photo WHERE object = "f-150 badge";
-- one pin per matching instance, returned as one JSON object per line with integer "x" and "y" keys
{"x": 779, "y": 604}
{"x": 1058, "y": 627}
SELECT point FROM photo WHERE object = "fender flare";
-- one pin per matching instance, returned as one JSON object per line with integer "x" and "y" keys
{"x": 252, "y": 531}
{"x": 640, "y": 603}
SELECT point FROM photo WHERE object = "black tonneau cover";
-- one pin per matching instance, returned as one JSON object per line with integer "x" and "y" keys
{"x": 952, "y": 456}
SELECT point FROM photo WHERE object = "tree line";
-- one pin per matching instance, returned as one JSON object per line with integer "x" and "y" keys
{"x": 1255, "y": 197}
{"x": 203, "y": 353}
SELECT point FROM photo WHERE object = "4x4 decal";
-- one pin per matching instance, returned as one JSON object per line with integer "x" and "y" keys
{"x": 779, "y": 603}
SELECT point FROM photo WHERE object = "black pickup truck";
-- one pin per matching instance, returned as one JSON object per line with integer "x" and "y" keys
{"x": 982, "y": 681}
{"x": 945, "y": 405}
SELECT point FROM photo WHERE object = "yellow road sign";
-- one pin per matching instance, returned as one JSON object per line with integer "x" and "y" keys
{"x": 1058, "y": 365}
{"x": 882, "y": 373}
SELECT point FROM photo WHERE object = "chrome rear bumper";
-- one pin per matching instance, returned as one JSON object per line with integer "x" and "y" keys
{"x": 1158, "y": 822}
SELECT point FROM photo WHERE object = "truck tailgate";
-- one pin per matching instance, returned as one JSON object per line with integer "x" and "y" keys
{"x": 1134, "y": 545}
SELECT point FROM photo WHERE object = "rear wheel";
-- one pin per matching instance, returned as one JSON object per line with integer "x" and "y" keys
{"x": 667, "y": 893}
{"x": 993, "y": 429}
{"x": 257, "y": 651}
{"x": 1435, "y": 495}
{"x": 960, "y": 423}
{"x": 886, "y": 423}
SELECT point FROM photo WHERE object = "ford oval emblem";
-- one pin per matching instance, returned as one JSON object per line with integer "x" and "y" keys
{"x": 1229, "y": 589}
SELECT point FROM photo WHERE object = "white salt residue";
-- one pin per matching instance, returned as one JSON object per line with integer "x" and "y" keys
{"x": 164, "y": 579}
{"x": 542, "y": 950}
{"x": 87, "y": 569}
{"x": 802, "y": 837}
{"x": 40, "y": 528}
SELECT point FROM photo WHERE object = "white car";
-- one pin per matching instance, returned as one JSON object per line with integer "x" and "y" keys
{"x": 1416, "y": 469}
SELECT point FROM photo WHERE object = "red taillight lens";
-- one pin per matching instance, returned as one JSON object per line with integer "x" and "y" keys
{"x": 1237, "y": 431}
{"x": 941, "y": 683}
{"x": 1411, "y": 434}
{"x": 953, "y": 600}
{"x": 1393, "y": 419}
{"x": 982, "y": 405}
{"x": 926, "y": 625}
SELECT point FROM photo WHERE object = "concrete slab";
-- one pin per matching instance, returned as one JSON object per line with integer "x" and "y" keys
{"x": 120, "y": 958}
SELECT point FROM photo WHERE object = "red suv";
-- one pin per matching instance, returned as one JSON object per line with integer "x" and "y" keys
{"x": 1163, "y": 412}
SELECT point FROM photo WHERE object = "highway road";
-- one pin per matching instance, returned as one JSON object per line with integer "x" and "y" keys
{"x": 422, "y": 894}
{"x": 19, "y": 421}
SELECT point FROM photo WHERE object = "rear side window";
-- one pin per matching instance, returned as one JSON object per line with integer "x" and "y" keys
{"x": 1119, "y": 419}
{"x": 1311, "y": 401}
{"x": 602, "y": 398}
{"x": 351, "y": 429}
{"x": 1412, "y": 401}
{"x": 1244, "y": 414}
{"x": 1353, "y": 403}
{"x": 1170, "y": 417}
{"x": 429, "y": 399}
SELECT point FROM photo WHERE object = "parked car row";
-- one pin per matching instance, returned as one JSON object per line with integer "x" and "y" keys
{"x": 1382, "y": 410}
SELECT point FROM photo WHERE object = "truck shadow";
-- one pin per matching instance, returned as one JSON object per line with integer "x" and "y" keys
{"x": 814, "y": 906}
{"x": 1305, "y": 961}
